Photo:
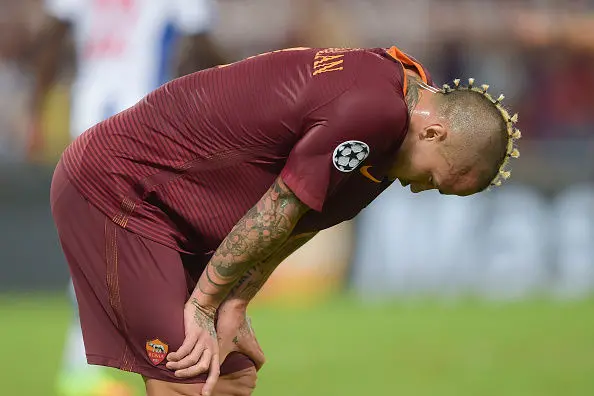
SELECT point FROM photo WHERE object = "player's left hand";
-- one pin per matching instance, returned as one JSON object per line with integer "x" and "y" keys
{"x": 235, "y": 333}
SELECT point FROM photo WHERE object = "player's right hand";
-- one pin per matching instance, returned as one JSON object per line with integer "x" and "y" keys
{"x": 199, "y": 352}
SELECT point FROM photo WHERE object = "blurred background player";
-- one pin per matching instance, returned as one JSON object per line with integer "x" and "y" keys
{"x": 122, "y": 50}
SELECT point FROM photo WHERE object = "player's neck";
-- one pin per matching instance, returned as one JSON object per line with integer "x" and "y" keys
{"x": 401, "y": 159}
{"x": 417, "y": 91}
{"x": 414, "y": 92}
{"x": 421, "y": 113}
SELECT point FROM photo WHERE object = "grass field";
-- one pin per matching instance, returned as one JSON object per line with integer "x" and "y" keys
{"x": 342, "y": 347}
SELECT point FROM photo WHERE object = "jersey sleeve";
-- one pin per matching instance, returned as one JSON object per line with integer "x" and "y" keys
{"x": 64, "y": 10}
{"x": 193, "y": 16}
{"x": 357, "y": 129}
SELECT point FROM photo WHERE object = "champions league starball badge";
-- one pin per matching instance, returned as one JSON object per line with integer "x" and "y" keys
{"x": 349, "y": 155}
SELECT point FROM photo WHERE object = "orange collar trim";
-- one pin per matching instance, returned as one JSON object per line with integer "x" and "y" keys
{"x": 406, "y": 60}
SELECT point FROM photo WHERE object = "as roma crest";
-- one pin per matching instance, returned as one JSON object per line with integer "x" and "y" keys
{"x": 156, "y": 350}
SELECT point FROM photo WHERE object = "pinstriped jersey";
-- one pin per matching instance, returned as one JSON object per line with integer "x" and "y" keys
{"x": 183, "y": 165}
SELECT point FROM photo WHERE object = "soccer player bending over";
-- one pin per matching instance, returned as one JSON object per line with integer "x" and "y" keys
{"x": 174, "y": 213}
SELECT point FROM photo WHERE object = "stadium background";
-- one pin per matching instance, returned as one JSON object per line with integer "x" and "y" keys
{"x": 420, "y": 295}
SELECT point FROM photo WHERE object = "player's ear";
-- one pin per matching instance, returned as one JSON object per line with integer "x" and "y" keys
{"x": 434, "y": 133}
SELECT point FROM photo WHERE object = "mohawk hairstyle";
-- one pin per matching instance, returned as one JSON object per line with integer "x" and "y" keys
{"x": 513, "y": 134}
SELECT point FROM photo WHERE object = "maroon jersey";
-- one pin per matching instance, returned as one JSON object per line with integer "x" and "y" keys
{"x": 187, "y": 162}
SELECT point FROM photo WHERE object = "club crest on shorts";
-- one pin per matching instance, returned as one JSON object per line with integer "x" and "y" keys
{"x": 156, "y": 350}
{"x": 349, "y": 155}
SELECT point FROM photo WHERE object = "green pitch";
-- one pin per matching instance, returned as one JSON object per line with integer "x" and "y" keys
{"x": 346, "y": 348}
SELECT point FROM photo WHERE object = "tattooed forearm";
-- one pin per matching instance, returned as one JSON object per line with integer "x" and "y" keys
{"x": 253, "y": 280}
{"x": 255, "y": 237}
{"x": 413, "y": 92}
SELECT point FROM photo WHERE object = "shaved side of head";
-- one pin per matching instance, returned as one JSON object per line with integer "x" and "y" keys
{"x": 479, "y": 135}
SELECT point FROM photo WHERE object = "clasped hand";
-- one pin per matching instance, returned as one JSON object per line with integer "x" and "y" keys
{"x": 210, "y": 336}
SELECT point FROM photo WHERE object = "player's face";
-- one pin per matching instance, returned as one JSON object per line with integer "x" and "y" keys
{"x": 424, "y": 167}
{"x": 423, "y": 171}
{"x": 435, "y": 173}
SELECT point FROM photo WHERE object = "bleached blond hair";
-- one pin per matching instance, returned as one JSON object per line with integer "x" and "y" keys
{"x": 513, "y": 134}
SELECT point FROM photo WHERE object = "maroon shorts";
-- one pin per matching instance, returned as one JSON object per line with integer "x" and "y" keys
{"x": 130, "y": 290}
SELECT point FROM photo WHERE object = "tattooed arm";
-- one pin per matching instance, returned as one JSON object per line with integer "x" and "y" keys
{"x": 234, "y": 328}
{"x": 254, "y": 278}
{"x": 261, "y": 232}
